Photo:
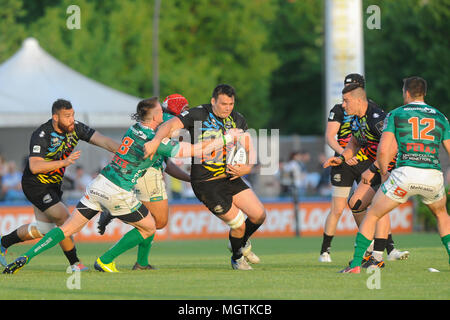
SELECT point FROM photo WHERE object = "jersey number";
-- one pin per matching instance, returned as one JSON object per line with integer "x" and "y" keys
{"x": 125, "y": 146}
{"x": 422, "y": 134}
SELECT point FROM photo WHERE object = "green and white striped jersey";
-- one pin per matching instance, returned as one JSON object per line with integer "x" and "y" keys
{"x": 129, "y": 164}
{"x": 419, "y": 130}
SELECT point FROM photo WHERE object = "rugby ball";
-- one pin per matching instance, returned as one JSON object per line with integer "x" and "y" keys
{"x": 237, "y": 155}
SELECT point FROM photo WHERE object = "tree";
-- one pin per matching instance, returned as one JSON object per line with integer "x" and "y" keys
{"x": 12, "y": 33}
{"x": 413, "y": 40}
{"x": 296, "y": 86}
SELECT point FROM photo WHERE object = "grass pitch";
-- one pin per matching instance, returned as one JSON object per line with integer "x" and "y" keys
{"x": 200, "y": 270}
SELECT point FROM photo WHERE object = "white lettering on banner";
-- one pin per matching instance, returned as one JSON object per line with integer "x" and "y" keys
{"x": 315, "y": 220}
{"x": 278, "y": 220}
{"x": 10, "y": 222}
{"x": 399, "y": 218}
{"x": 346, "y": 222}
{"x": 190, "y": 222}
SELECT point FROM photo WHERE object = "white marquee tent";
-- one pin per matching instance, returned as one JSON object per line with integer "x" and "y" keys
{"x": 31, "y": 80}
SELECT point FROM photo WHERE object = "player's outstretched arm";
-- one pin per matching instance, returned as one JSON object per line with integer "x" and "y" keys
{"x": 104, "y": 142}
{"x": 165, "y": 130}
{"x": 40, "y": 165}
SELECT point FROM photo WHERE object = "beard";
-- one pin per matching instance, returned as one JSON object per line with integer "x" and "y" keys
{"x": 66, "y": 128}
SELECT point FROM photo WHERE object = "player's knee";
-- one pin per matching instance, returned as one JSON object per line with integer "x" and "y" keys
{"x": 356, "y": 205}
{"x": 33, "y": 231}
{"x": 261, "y": 217}
{"x": 160, "y": 223}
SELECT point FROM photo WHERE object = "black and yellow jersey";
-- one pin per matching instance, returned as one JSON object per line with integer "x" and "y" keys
{"x": 52, "y": 146}
{"x": 344, "y": 134}
{"x": 203, "y": 124}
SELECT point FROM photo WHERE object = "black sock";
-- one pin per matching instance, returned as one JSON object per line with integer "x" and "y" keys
{"x": 250, "y": 229}
{"x": 11, "y": 239}
{"x": 326, "y": 243}
{"x": 236, "y": 245}
{"x": 379, "y": 244}
{"x": 71, "y": 255}
{"x": 390, "y": 244}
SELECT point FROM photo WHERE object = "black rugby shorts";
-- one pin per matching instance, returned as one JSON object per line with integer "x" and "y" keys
{"x": 217, "y": 195}
{"x": 344, "y": 175}
{"x": 42, "y": 196}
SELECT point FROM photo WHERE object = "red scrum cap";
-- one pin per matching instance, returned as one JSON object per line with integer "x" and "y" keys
{"x": 175, "y": 103}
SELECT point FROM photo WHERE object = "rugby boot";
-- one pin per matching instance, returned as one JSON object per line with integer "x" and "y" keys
{"x": 247, "y": 252}
{"x": 351, "y": 270}
{"x": 325, "y": 257}
{"x": 102, "y": 267}
{"x": 16, "y": 265}
{"x": 78, "y": 266}
{"x": 398, "y": 255}
{"x": 373, "y": 263}
{"x": 240, "y": 264}
{"x": 137, "y": 266}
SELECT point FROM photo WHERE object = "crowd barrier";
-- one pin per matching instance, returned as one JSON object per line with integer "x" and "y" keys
{"x": 194, "y": 221}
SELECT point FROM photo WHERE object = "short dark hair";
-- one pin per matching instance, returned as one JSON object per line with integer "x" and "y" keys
{"x": 143, "y": 108}
{"x": 223, "y": 89}
{"x": 61, "y": 104}
{"x": 416, "y": 86}
{"x": 350, "y": 88}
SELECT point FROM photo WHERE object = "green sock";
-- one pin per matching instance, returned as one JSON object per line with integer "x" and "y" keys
{"x": 446, "y": 243}
{"x": 144, "y": 250}
{"x": 131, "y": 239}
{"x": 51, "y": 239}
{"x": 362, "y": 243}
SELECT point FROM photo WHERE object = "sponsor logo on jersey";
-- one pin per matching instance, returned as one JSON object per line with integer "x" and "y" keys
{"x": 37, "y": 149}
{"x": 331, "y": 116}
{"x": 218, "y": 209}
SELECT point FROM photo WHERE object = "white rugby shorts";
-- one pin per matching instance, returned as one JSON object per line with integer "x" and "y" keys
{"x": 405, "y": 182}
{"x": 103, "y": 193}
{"x": 151, "y": 186}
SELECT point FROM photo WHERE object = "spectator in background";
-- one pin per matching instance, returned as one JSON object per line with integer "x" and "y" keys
{"x": 11, "y": 183}
{"x": 324, "y": 186}
{"x": 293, "y": 173}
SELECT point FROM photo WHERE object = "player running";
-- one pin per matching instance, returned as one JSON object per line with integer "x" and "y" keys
{"x": 215, "y": 183}
{"x": 113, "y": 189}
{"x": 51, "y": 151}
{"x": 414, "y": 130}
